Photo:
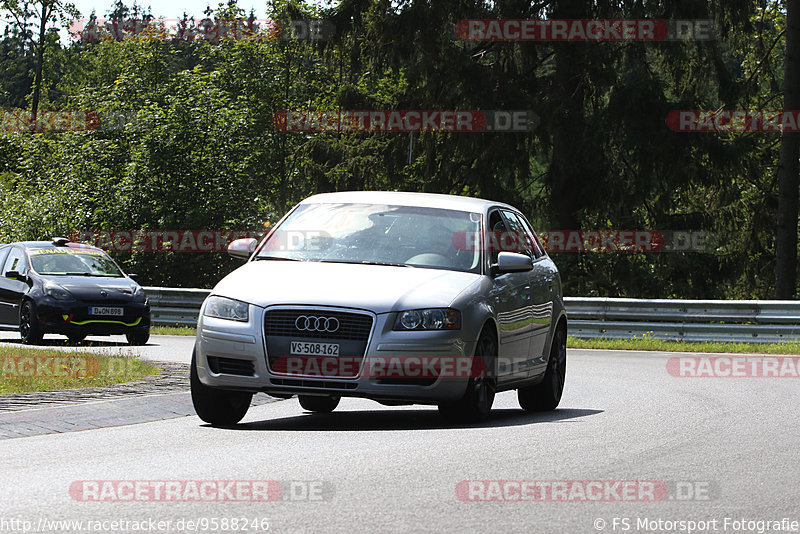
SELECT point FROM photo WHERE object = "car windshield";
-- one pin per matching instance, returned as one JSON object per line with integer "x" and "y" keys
{"x": 376, "y": 234}
{"x": 66, "y": 262}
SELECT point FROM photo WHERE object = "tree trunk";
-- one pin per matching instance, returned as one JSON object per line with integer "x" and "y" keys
{"x": 786, "y": 238}
{"x": 568, "y": 174}
{"x": 37, "y": 80}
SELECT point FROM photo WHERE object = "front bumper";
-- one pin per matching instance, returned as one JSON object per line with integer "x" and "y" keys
{"x": 233, "y": 355}
{"x": 72, "y": 318}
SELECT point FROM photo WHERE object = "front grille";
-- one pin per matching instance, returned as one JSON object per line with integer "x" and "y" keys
{"x": 352, "y": 326}
{"x": 351, "y": 335}
{"x": 120, "y": 303}
{"x": 231, "y": 366}
{"x": 305, "y": 383}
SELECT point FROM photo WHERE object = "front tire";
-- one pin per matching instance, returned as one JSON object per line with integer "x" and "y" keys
{"x": 546, "y": 395}
{"x": 138, "y": 337}
{"x": 29, "y": 329}
{"x": 218, "y": 407}
{"x": 314, "y": 403}
{"x": 477, "y": 401}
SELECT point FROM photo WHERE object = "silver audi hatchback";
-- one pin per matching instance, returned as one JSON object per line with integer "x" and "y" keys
{"x": 403, "y": 298}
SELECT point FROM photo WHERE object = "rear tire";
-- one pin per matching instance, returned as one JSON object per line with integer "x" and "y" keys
{"x": 75, "y": 339}
{"x": 317, "y": 404}
{"x": 477, "y": 401}
{"x": 29, "y": 329}
{"x": 218, "y": 407}
{"x": 546, "y": 395}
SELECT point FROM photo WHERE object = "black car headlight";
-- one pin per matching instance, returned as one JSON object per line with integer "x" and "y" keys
{"x": 57, "y": 292}
{"x": 138, "y": 293}
{"x": 428, "y": 319}
{"x": 225, "y": 308}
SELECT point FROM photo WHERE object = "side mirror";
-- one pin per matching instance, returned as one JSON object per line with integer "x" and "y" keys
{"x": 133, "y": 276}
{"x": 242, "y": 248}
{"x": 16, "y": 275}
{"x": 512, "y": 262}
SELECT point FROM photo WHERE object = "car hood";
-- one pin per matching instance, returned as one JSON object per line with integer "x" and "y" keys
{"x": 90, "y": 287}
{"x": 378, "y": 288}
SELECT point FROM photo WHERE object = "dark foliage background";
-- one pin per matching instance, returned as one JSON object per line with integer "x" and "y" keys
{"x": 201, "y": 151}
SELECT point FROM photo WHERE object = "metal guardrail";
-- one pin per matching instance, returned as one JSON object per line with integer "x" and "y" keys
{"x": 749, "y": 321}
{"x": 752, "y": 321}
{"x": 170, "y": 306}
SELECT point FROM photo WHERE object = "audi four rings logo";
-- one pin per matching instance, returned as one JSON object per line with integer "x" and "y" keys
{"x": 316, "y": 324}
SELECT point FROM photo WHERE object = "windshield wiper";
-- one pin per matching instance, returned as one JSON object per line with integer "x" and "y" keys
{"x": 386, "y": 263}
{"x": 93, "y": 274}
{"x": 276, "y": 258}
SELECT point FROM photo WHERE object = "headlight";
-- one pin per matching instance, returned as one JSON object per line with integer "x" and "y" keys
{"x": 225, "y": 308}
{"x": 138, "y": 293}
{"x": 429, "y": 319}
{"x": 57, "y": 292}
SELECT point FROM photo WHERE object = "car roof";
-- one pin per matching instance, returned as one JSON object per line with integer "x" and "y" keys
{"x": 400, "y": 198}
{"x": 49, "y": 244}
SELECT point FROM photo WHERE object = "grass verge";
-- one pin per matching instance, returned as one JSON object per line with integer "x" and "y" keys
{"x": 25, "y": 370}
{"x": 173, "y": 330}
{"x": 648, "y": 343}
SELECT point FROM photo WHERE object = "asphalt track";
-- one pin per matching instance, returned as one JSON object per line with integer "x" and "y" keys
{"x": 721, "y": 453}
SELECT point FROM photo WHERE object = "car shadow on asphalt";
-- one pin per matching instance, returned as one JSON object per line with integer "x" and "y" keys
{"x": 409, "y": 420}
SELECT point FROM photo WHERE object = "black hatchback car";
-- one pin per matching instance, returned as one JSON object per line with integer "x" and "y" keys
{"x": 59, "y": 287}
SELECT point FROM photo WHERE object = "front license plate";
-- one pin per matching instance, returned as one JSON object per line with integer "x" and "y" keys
{"x": 317, "y": 349}
{"x": 105, "y": 310}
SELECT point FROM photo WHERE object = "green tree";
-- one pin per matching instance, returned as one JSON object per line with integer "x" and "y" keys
{"x": 16, "y": 68}
{"x": 32, "y": 19}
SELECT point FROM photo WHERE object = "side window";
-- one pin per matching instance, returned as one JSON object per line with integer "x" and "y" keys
{"x": 538, "y": 249}
{"x": 525, "y": 241}
{"x": 3, "y": 255}
{"x": 15, "y": 261}
{"x": 497, "y": 227}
